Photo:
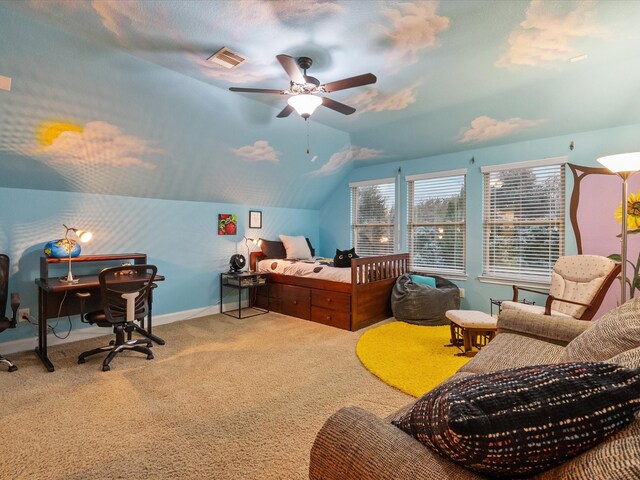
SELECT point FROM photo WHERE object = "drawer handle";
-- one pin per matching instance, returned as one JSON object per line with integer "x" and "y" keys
{"x": 328, "y": 300}
{"x": 295, "y": 302}
{"x": 328, "y": 317}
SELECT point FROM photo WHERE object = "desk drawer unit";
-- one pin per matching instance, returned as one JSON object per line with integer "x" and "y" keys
{"x": 296, "y": 301}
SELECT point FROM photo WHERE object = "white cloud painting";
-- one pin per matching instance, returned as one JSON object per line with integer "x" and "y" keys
{"x": 260, "y": 151}
{"x": 97, "y": 143}
{"x": 547, "y": 35}
{"x": 414, "y": 27}
{"x": 371, "y": 100}
{"x": 485, "y": 128}
{"x": 346, "y": 155}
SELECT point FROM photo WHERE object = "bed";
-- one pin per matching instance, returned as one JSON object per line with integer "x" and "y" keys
{"x": 363, "y": 299}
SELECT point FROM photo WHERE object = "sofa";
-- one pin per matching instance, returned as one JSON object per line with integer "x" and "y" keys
{"x": 355, "y": 444}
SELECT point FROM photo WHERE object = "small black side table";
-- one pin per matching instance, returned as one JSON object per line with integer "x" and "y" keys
{"x": 243, "y": 281}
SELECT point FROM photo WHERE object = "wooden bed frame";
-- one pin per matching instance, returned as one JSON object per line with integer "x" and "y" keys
{"x": 350, "y": 306}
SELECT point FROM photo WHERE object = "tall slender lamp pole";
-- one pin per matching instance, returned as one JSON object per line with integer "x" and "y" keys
{"x": 625, "y": 165}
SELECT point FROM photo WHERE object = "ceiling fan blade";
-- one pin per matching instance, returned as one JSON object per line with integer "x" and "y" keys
{"x": 337, "y": 106}
{"x": 358, "y": 81}
{"x": 291, "y": 67}
{"x": 286, "y": 111}
{"x": 257, "y": 90}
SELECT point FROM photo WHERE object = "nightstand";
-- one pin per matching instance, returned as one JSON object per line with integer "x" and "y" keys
{"x": 249, "y": 281}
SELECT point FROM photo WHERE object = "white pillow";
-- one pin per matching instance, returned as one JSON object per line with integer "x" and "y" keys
{"x": 296, "y": 247}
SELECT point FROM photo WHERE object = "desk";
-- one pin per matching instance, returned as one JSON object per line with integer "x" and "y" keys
{"x": 52, "y": 292}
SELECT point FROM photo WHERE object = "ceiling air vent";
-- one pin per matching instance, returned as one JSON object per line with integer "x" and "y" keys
{"x": 227, "y": 58}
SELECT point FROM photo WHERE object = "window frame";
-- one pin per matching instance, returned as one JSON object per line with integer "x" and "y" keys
{"x": 353, "y": 188}
{"x": 488, "y": 271}
{"x": 410, "y": 180}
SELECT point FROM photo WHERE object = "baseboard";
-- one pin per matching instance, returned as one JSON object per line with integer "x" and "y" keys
{"x": 25, "y": 344}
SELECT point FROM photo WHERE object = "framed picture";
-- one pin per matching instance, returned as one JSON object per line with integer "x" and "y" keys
{"x": 227, "y": 223}
{"x": 255, "y": 219}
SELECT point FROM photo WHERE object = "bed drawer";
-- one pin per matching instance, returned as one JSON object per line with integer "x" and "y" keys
{"x": 296, "y": 301}
{"x": 334, "y": 318}
{"x": 275, "y": 293}
{"x": 331, "y": 300}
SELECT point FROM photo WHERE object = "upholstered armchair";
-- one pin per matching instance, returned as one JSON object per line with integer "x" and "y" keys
{"x": 578, "y": 286}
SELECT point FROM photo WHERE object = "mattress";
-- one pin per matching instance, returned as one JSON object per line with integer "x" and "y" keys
{"x": 315, "y": 268}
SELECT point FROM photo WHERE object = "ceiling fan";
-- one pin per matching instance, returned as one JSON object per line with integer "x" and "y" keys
{"x": 303, "y": 90}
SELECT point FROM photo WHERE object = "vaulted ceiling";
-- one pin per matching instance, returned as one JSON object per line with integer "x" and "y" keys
{"x": 118, "y": 96}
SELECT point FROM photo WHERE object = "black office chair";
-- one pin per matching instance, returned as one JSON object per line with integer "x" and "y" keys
{"x": 124, "y": 292}
{"x": 15, "y": 303}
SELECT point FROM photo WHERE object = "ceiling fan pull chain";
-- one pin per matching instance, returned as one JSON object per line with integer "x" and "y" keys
{"x": 308, "y": 150}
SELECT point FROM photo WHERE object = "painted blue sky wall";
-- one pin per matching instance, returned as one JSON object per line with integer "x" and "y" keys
{"x": 117, "y": 97}
{"x": 179, "y": 237}
{"x": 84, "y": 118}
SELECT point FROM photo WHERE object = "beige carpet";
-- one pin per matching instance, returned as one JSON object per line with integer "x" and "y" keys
{"x": 224, "y": 399}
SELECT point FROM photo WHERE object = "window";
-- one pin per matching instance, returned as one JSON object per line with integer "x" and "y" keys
{"x": 373, "y": 206}
{"x": 437, "y": 228}
{"x": 523, "y": 219}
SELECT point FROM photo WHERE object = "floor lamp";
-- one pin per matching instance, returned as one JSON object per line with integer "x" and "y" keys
{"x": 625, "y": 165}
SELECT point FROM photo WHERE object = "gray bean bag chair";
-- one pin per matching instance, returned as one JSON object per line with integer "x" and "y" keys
{"x": 423, "y": 305}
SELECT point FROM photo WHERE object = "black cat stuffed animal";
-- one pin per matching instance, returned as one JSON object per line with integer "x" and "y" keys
{"x": 343, "y": 258}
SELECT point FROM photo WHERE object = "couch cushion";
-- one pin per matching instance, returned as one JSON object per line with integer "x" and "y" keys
{"x": 629, "y": 359}
{"x": 509, "y": 350}
{"x": 355, "y": 444}
{"x": 523, "y": 421}
{"x": 613, "y": 333}
{"x": 617, "y": 458}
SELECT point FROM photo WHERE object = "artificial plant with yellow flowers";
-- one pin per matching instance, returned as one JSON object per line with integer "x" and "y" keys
{"x": 633, "y": 227}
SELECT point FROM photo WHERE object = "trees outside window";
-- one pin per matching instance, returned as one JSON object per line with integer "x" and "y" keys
{"x": 437, "y": 222}
{"x": 373, "y": 217}
{"x": 523, "y": 221}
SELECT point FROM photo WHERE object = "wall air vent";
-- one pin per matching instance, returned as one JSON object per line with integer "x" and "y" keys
{"x": 227, "y": 58}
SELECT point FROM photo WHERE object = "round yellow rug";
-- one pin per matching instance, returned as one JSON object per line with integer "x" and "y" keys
{"x": 411, "y": 358}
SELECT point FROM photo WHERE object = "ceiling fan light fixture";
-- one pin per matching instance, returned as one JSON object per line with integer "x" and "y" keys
{"x": 305, "y": 104}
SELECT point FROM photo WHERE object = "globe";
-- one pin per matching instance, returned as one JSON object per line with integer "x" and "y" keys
{"x": 59, "y": 248}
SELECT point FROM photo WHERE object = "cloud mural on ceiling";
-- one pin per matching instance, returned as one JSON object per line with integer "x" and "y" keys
{"x": 346, "y": 155}
{"x": 286, "y": 11}
{"x": 96, "y": 143}
{"x": 546, "y": 36}
{"x": 260, "y": 151}
{"x": 371, "y": 100}
{"x": 414, "y": 26}
{"x": 485, "y": 128}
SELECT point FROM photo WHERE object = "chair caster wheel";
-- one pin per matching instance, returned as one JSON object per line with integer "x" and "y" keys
{"x": 106, "y": 368}
{"x": 150, "y": 356}
{"x": 13, "y": 368}
{"x": 81, "y": 360}
{"x": 112, "y": 342}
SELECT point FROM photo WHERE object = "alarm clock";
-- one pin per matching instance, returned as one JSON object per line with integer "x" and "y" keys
{"x": 237, "y": 262}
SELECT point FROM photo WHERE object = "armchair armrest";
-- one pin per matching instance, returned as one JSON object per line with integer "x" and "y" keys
{"x": 15, "y": 303}
{"x": 516, "y": 289}
{"x": 551, "y": 299}
{"x": 551, "y": 328}
{"x": 354, "y": 444}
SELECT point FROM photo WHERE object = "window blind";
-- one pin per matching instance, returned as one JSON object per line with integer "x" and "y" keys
{"x": 373, "y": 208}
{"x": 523, "y": 222}
{"x": 437, "y": 223}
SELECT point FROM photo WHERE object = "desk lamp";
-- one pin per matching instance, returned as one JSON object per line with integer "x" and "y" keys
{"x": 257, "y": 243}
{"x": 625, "y": 165}
{"x": 84, "y": 237}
